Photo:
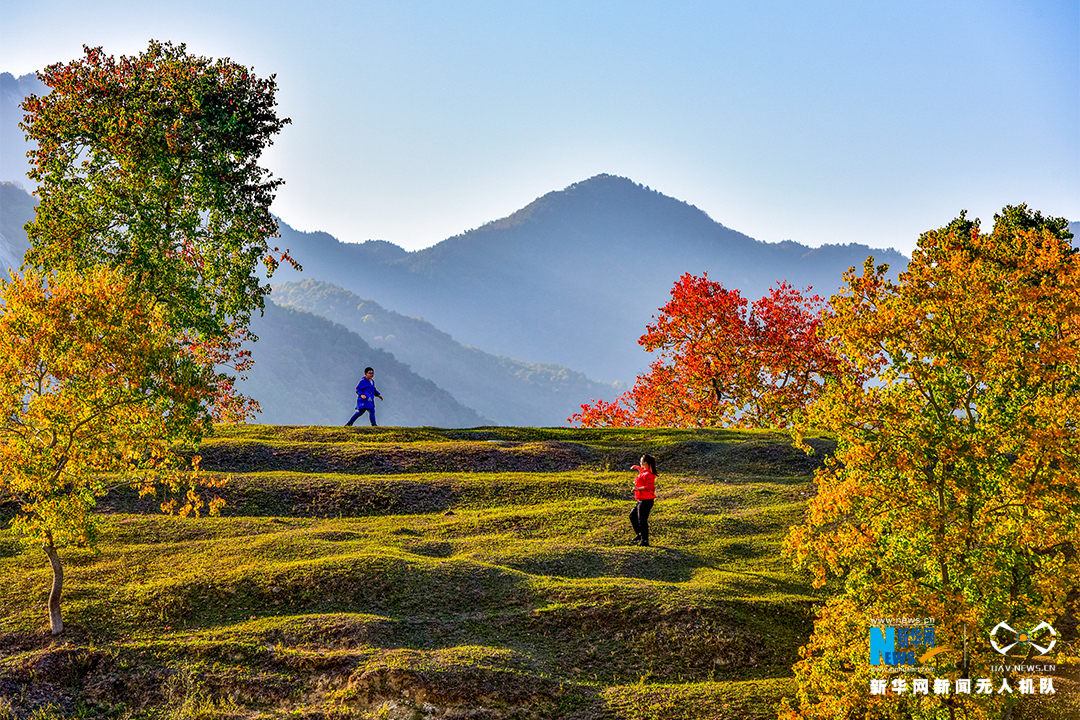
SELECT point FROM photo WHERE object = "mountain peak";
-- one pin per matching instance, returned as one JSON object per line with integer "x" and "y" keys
{"x": 603, "y": 197}
{"x": 574, "y": 277}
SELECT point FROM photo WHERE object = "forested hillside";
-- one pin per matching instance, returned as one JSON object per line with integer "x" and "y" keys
{"x": 306, "y": 370}
{"x": 16, "y": 209}
{"x": 13, "y": 146}
{"x": 306, "y": 367}
{"x": 508, "y": 391}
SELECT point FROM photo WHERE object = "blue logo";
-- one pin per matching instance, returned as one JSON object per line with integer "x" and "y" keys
{"x": 899, "y": 645}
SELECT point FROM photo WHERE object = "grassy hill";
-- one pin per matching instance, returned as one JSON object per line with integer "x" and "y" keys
{"x": 429, "y": 573}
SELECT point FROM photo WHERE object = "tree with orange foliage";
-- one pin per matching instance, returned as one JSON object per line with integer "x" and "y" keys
{"x": 93, "y": 392}
{"x": 954, "y": 492}
{"x": 722, "y": 362}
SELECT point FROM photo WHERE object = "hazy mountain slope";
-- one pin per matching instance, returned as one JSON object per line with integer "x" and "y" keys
{"x": 13, "y": 146}
{"x": 573, "y": 277}
{"x": 508, "y": 391}
{"x": 16, "y": 209}
{"x": 306, "y": 366}
{"x": 306, "y": 370}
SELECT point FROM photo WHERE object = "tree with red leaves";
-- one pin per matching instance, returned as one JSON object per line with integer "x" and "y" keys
{"x": 724, "y": 361}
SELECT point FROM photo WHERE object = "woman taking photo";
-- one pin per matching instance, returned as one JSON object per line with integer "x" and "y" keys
{"x": 645, "y": 494}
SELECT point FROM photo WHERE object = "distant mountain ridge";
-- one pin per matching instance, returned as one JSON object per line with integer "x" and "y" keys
{"x": 13, "y": 145}
{"x": 508, "y": 391}
{"x": 16, "y": 209}
{"x": 570, "y": 279}
{"x": 306, "y": 370}
{"x": 573, "y": 277}
{"x": 307, "y": 366}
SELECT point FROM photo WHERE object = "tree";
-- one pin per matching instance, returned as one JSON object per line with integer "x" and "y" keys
{"x": 722, "y": 362}
{"x": 93, "y": 394}
{"x": 954, "y": 492}
{"x": 150, "y": 164}
{"x": 147, "y": 165}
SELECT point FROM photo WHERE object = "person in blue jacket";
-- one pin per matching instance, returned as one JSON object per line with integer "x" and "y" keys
{"x": 365, "y": 397}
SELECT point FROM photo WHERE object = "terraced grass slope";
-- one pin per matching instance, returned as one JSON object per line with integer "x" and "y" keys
{"x": 425, "y": 573}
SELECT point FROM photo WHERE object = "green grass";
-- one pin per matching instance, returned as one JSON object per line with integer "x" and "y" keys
{"x": 376, "y": 573}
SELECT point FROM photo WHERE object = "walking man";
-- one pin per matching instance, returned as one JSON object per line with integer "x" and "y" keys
{"x": 366, "y": 393}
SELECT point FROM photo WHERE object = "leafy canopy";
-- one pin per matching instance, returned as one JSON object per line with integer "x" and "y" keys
{"x": 93, "y": 394}
{"x": 723, "y": 361}
{"x": 150, "y": 163}
{"x": 954, "y": 492}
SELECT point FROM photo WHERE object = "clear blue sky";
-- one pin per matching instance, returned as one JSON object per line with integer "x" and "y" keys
{"x": 819, "y": 122}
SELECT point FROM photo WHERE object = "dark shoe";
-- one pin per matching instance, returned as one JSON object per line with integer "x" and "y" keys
{"x": 644, "y": 544}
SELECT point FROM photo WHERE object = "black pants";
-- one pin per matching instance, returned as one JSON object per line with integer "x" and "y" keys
{"x": 361, "y": 412}
{"x": 639, "y": 518}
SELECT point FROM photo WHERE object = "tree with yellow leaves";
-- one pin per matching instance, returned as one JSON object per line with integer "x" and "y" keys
{"x": 147, "y": 165}
{"x": 954, "y": 492}
{"x": 94, "y": 390}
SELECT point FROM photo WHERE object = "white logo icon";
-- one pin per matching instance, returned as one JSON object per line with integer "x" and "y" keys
{"x": 1022, "y": 638}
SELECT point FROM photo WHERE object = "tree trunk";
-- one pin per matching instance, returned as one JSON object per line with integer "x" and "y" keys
{"x": 56, "y": 623}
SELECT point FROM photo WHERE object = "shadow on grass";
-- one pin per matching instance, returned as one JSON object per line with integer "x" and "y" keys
{"x": 654, "y": 563}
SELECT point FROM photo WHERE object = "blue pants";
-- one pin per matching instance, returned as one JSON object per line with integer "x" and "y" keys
{"x": 361, "y": 412}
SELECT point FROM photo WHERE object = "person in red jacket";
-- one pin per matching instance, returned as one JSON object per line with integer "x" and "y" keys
{"x": 645, "y": 494}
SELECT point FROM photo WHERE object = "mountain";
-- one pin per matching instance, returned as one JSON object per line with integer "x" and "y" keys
{"x": 16, "y": 209}
{"x": 508, "y": 391}
{"x": 573, "y": 277}
{"x": 306, "y": 367}
{"x": 13, "y": 147}
{"x": 306, "y": 370}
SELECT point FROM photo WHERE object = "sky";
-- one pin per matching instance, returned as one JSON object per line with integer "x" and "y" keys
{"x": 823, "y": 122}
